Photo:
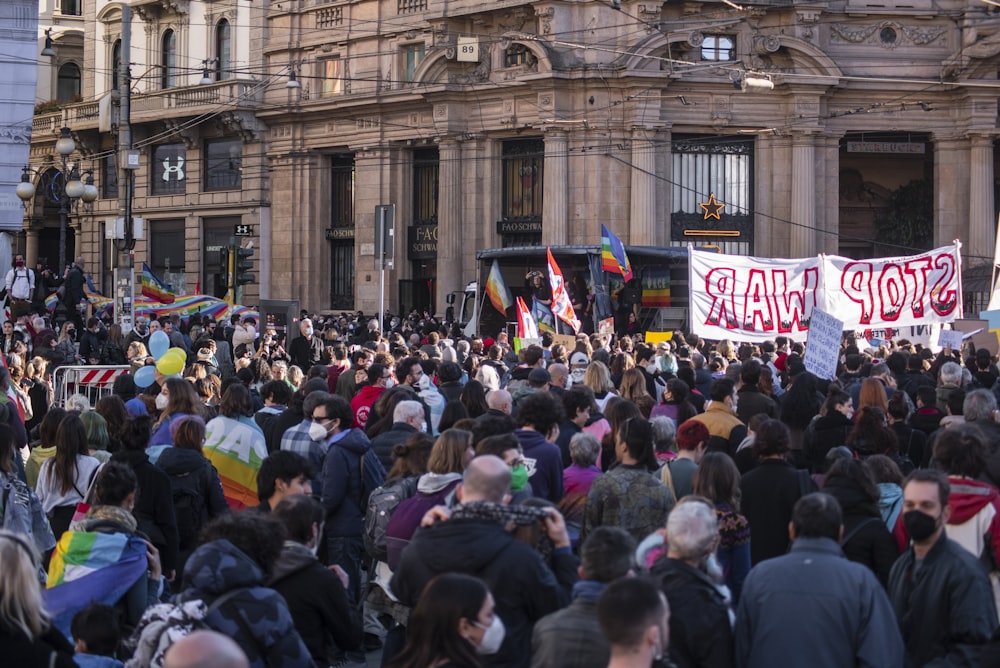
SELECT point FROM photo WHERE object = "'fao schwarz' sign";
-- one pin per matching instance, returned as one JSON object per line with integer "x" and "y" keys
{"x": 422, "y": 242}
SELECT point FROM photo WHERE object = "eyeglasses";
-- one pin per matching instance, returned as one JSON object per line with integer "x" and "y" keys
{"x": 320, "y": 419}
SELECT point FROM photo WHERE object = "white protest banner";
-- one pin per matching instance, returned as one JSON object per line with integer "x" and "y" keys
{"x": 755, "y": 299}
{"x": 823, "y": 344}
{"x": 950, "y": 338}
{"x": 896, "y": 291}
{"x": 751, "y": 298}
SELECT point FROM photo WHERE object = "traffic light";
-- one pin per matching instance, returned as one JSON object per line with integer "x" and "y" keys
{"x": 223, "y": 276}
{"x": 244, "y": 264}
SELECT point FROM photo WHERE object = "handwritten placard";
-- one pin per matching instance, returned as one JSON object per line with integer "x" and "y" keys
{"x": 823, "y": 344}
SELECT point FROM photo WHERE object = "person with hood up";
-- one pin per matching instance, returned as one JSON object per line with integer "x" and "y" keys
{"x": 974, "y": 522}
{"x": 889, "y": 480}
{"x": 474, "y": 541}
{"x": 316, "y": 595}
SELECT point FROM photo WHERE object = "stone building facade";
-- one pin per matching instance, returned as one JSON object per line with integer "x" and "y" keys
{"x": 860, "y": 127}
{"x": 573, "y": 114}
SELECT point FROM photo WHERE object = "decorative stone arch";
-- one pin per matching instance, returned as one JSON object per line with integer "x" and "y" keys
{"x": 434, "y": 67}
{"x": 536, "y": 47}
{"x": 111, "y": 13}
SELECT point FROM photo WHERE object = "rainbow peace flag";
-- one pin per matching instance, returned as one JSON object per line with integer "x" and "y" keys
{"x": 186, "y": 305}
{"x": 543, "y": 316}
{"x": 497, "y": 290}
{"x": 613, "y": 256}
{"x": 656, "y": 288}
{"x": 154, "y": 288}
{"x": 91, "y": 567}
{"x": 237, "y": 451}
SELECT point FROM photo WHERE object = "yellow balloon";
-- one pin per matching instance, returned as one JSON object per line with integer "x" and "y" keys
{"x": 168, "y": 365}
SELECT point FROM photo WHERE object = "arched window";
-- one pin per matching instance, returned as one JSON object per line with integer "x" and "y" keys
{"x": 222, "y": 48}
{"x": 116, "y": 63}
{"x": 68, "y": 85}
{"x": 168, "y": 59}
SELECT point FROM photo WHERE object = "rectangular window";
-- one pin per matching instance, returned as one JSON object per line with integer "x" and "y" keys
{"x": 718, "y": 47}
{"x": 413, "y": 54}
{"x": 215, "y": 239}
{"x": 224, "y": 164}
{"x": 707, "y": 166}
{"x": 425, "y": 186}
{"x": 166, "y": 252}
{"x": 341, "y": 233}
{"x": 523, "y": 162}
{"x": 331, "y": 74}
{"x": 70, "y": 7}
{"x": 168, "y": 171}
{"x": 109, "y": 177}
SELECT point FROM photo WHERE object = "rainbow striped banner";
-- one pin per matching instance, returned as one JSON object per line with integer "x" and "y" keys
{"x": 186, "y": 305}
{"x": 154, "y": 288}
{"x": 91, "y": 567}
{"x": 237, "y": 451}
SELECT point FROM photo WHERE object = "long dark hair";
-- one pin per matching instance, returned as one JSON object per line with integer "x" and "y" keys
{"x": 447, "y": 599}
{"x": 71, "y": 440}
{"x": 474, "y": 397}
{"x": 801, "y": 403}
{"x": 718, "y": 480}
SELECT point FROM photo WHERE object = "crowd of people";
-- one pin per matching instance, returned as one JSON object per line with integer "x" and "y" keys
{"x": 302, "y": 500}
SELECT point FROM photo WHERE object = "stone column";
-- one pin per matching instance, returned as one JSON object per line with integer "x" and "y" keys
{"x": 450, "y": 218}
{"x": 642, "y": 199}
{"x": 555, "y": 182}
{"x": 951, "y": 164}
{"x": 803, "y": 205}
{"x": 30, "y": 247}
{"x": 982, "y": 225}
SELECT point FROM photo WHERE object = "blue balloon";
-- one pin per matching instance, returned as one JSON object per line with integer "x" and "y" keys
{"x": 159, "y": 343}
{"x": 145, "y": 376}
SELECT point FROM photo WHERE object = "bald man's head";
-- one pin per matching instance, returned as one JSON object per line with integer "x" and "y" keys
{"x": 500, "y": 400}
{"x": 205, "y": 649}
{"x": 559, "y": 373}
{"x": 487, "y": 478}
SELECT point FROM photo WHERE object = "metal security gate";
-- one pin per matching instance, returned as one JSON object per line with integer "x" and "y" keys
{"x": 93, "y": 381}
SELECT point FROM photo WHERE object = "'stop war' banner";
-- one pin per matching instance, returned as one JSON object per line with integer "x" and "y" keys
{"x": 755, "y": 299}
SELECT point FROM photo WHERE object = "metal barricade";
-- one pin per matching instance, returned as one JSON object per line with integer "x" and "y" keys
{"x": 93, "y": 381}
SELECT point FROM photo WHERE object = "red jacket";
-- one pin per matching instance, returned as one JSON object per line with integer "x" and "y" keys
{"x": 361, "y": 404}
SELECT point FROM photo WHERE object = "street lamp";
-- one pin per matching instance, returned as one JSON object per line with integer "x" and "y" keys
{"x": 67, "y": 189}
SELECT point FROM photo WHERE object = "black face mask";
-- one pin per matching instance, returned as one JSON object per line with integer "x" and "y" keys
{"x": 919, "y": 525}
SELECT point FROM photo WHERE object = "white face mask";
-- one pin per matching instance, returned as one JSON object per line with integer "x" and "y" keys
{"x": 161, "y": 401}
{"x": 390, "y": 382}
{"x": 424, "y": 383}
{"x": 493, "y": 638}
{"x": 309, "y": 331}
{"x": 317, "y": 432}
{"x": 423, "y": 425}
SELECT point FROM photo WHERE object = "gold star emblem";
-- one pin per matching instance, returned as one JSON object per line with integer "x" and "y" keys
{"x": 712, "y": 207}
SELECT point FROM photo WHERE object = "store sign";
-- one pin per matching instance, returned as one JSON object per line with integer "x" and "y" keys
{"x": 339, "y": 233}
{"x": 422, "y": 242}
{"x": 519, "y": 227}
{"x": 897, "y": 147}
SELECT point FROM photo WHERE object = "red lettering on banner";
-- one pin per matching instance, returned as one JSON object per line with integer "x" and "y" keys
{"x": 917, "y": 271}
{"x": 758, "y": 302}
{"x": 944, "y": 300}
{"x": 892, "y": 292}
{"x": 792, "y": 305}
{"x": 856, "y": 282}
{"x": 720, "y": 285}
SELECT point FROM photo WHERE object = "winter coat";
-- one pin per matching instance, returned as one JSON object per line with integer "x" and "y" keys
{"x": 945, "y": 609}
{"x": 701, "y": 635}
{"x": 769, "y": 493}
{"x": 523, "y": 586}
{"x": 345, "y": 489}
{"x": 432, "y": 490}
{"x": 384, "y": 443}
{"x": 629, "y": 497}
{"x": 258, "y": 619}
{"x": 154, "y": 506}
{"x": 361, "y": 405}
{"x": 784, "y": 599}
{"x": 544, "y": 462}
{"x": 823, "y": 434}
{"x": 752, "y": 401}
{"x": 866, "y": 538}
{"x": 49, "y": 649}
{"x": 318, "y": 603}
{"x": 178, "y": 463}
{"x": 726, "y": 430}
{"x": 572, "y": 637}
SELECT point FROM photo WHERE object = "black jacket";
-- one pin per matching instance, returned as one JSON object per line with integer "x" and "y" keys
{"x": 946, "y": 611}
{"x": 700, "y": 633}
{"x": 823, "y": 434}
{"x": 178, "y": 463}
{"x": 752, "y": 401}
{"x": 18, "y": 650}
{"x": 866, "y": 539}
{"x": 154, "y": 505}
{"x": 318, "y": 602}
{"x": 769, "y": 493}
{"x": 524, "y": 587}
{"x": 74, "y": 286}
{"x": 383, "y": 444}
{"x": 305, "y": 353}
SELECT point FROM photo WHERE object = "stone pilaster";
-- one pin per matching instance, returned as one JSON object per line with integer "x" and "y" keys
{"x": 642, "y": 199}
{"x": 803, "y": 201}
{"x": 450, "y": 218}
{"x": 951, "y": 165}
{"x": 555, "y": 200}
{"x": 982, "y": 226}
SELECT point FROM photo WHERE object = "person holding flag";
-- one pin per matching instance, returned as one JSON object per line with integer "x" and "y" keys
{"x": 561, "y": 307}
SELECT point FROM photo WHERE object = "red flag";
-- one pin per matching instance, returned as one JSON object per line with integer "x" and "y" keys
{"x": 562, "y": 308}
{"x": 526, "y": 327}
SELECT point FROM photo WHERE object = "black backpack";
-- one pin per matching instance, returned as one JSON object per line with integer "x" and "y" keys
{"x": 381, "y": 504}
{"x": 186, "y": 489}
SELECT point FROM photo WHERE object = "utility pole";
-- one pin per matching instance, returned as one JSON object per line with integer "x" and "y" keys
{"x": 124, "y": 265}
